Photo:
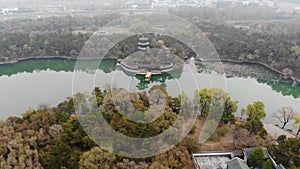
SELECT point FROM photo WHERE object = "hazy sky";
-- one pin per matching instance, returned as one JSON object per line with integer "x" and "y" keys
{"x": 78, "y": 3}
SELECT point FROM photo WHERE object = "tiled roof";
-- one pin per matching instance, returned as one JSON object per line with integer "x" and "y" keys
{"x": 237, "y": 163}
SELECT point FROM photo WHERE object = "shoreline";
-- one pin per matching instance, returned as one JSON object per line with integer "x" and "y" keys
{"x": 49, "y": 57}
{"x": 296, "y": 80}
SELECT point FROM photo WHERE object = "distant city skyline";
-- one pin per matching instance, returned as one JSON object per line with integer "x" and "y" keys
{"x": 11, "y": 6}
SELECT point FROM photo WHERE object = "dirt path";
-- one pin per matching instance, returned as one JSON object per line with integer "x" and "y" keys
{"x": 224, "y": 144}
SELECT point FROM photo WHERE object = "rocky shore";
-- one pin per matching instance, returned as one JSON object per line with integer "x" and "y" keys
{"x": 240, "y": 70}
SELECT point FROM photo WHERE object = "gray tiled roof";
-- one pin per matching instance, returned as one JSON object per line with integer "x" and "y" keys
{"x": 237, "y": 163}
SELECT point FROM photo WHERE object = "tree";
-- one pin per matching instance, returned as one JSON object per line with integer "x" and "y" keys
{"x": 285, "y": 115}
{"x": 178, "y": 158}
{"x": 96, "y": 159}
{"x": 256, "y": 158}
{"x": 43, "y": 106}
{"x": 42, "y": 119}
{"x": 18, "y": 148}
{"x": 297, "y": 122}
{"x": 295, "y": 167}
{"x": 57, "y": 156}
{"x": 56, "y": 130}
{"x": 230, "y": 108}
{"x": 205, "y": 99}
{"x": 256, "y": 112}
{"x": 191, "y": 145}
{"x": 267, "y": 164}
{"x": 99, "y": 95}
{"x": 296, "y": 50}
{"x": 26, "y": 115}
{"x": 254, "y": 126}
{"x": 127, "y": 164}
{"x": 281, "y": 138}
{"x": 156, "y": 165}
{"x": 160, "y": 43}
{"x": 140, "y": 27}
{"x": 288, "y": 71}
{"x": 287, "y": 152}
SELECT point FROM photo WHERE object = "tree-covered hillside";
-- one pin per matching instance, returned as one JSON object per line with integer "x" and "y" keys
{"x": 54, "y": 137}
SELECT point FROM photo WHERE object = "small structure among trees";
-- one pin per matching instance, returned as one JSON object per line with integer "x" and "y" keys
{"x": 255, "y": 157}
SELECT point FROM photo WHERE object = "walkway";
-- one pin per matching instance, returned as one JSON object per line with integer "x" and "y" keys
{"x": 275, "y": 131}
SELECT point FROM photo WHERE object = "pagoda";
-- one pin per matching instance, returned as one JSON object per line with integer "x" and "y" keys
{"x": 143, "y": 43}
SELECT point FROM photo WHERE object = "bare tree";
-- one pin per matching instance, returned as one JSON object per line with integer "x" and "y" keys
{"x": 285, "y": 115}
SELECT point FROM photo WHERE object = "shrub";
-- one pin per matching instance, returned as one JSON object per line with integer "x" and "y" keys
{"x": 191, "y": 145}
{"x": 193, "y": 130}
{"x": 256, "y": 158}
{"x": 281, "y": 138}
{"x": 223, "y": 131}
{"x": 267, "y": 164}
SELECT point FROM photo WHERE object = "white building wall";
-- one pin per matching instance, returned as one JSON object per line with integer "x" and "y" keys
{"x": 161, "y": 3}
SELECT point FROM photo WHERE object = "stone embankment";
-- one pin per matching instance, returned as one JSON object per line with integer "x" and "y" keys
{"x": 251, "y": 63}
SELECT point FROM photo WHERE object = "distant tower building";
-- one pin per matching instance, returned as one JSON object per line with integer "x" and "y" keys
{"x": 143, "y": 43}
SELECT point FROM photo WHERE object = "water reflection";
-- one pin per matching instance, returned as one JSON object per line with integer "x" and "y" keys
{"x": 19, "y": 91}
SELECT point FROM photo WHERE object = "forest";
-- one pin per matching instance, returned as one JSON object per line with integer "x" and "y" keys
{"x": 53, "y": 137}
{"x": 272, "y": 42}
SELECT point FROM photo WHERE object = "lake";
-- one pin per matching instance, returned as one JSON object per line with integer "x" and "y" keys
{"x": 33, "y": 82}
